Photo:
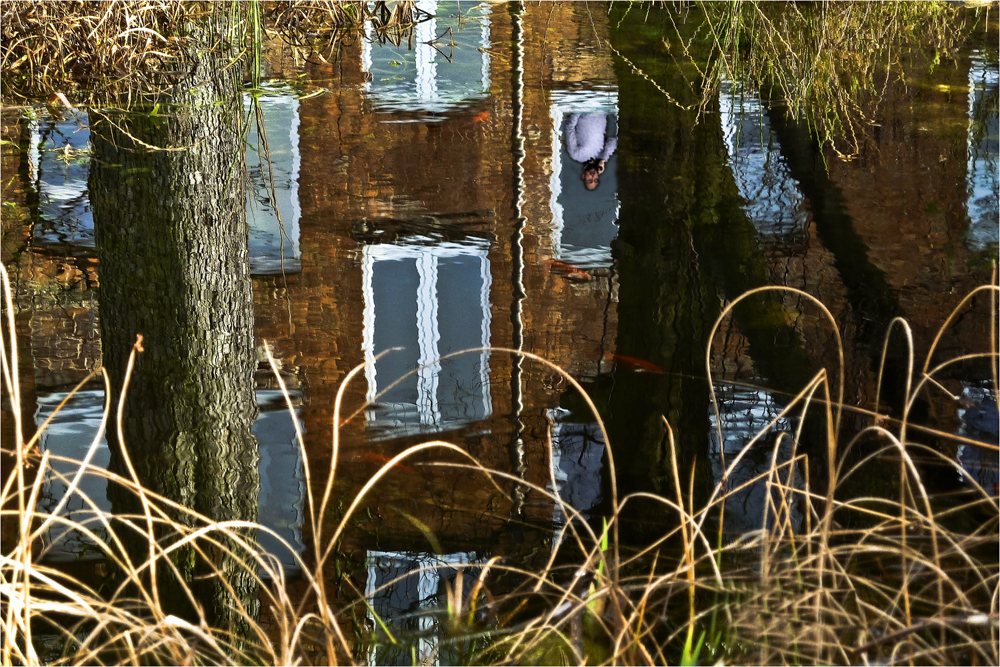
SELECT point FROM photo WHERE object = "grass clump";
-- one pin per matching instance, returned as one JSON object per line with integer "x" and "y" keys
{"x": 831, "y": 577}
{"x": 106, "y": 49}
{"x": 102, "y": 52}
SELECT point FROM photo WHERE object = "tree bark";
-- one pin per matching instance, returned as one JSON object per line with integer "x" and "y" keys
{"x": 172, "y": 239}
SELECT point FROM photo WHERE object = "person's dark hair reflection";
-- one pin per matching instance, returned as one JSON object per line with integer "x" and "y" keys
{"x": 592, "y": 170}
{"x": 587, "y": 142}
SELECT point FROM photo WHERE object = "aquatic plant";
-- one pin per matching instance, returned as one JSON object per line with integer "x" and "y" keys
{"x": 863, "y": 577}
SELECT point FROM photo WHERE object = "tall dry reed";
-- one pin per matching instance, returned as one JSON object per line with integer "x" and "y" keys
{"x": 861, "y": 579}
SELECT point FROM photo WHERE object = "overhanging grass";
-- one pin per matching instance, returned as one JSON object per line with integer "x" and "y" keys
{"x": 828, "y": 62}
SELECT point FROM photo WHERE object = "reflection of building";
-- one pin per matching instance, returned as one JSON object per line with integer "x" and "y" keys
{"x": 327, "y": 297}
{"x": 407, "y": 239}
{"x": 410, "y": 217}
{"x": 902, "y": 197}
{"x": 70, "y": 326}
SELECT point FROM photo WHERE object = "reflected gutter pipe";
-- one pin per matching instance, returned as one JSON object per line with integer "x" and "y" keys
{"x": 517, "y": 453}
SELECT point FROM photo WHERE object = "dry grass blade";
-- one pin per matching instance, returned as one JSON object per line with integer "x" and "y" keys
{"x": 129, "y": 50}
{"x": 909, "y": 579}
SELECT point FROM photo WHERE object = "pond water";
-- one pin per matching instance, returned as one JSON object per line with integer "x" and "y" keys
{"x": 416, "y": 203}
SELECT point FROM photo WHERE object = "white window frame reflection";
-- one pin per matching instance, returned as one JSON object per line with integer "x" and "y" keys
{"x": 981, "y": 172}
{"x": 563, "y": 104}
{"x": 426, "y": 568}
{"x": 773, "y": 200}
{"x": 63, "y": 194}
{"x": 280, "y": 235}
{"x": 586, "y": 482}
{"x": 429, "y": 90}
{"x": 427, "y": 259}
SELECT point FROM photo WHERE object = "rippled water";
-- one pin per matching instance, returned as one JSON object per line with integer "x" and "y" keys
{"x": 421, "y": 202}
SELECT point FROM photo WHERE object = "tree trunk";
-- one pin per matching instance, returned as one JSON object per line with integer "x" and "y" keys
{"x": 172, "y": 241}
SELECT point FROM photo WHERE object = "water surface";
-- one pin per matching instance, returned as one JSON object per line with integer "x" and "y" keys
{"x": 416, "y": 203}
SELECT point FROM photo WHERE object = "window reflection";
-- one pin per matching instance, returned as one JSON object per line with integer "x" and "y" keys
{"x": 59, "y": 164}
{"x": 282, "y": 480}
{"x": 430, "y": 301}
{"x": 577, "y": 463}
{"x": 70, "y": 434}
{"x": 981, "y": 176}
{"x": 980, "y": 421}
{"x": 584, "y": 223}
{"x": 273, "y": 209}
{"x": 448, "y": 65}
{"x": 404, "y": 589}
{"x": 772, "y": 199}
{"x": 72, "y": 430}
{"x": 743, "y": 413}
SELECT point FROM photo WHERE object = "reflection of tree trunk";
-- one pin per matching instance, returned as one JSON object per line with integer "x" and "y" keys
{"x": 868, "y": 290}
{"x": 171, "y": 233}
{"x": 678, "y": 252}
{"x": 664, "y": 302}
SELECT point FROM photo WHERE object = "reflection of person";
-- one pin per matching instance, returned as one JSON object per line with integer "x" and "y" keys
{"x": 586, "y": 142}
